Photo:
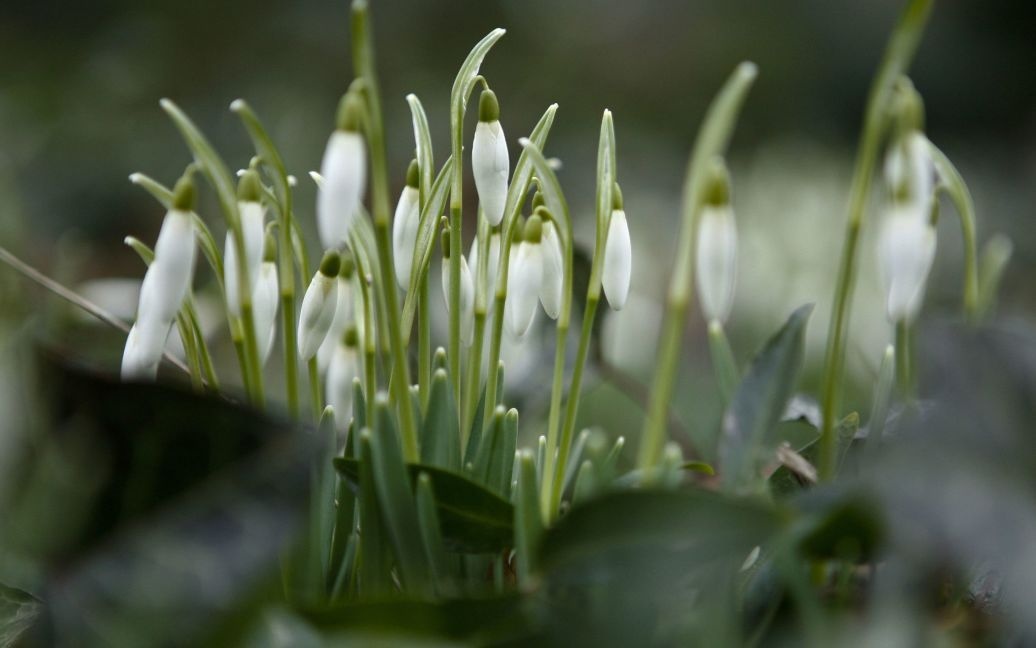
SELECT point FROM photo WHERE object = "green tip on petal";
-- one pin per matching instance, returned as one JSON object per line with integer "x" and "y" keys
{"x": 717, "y": 191}
{"x": 248, "y": 187}
{"x": 534, "y": 228}
{"x": 616, "y": 196}
{"x": 516, "y": 232}
{"x": 538, "y": 200}
{"x": 544, "y": 214}
{"x": 269, "y": 247}
{"x": 183, "y": 194}
{"x": 348, "y": 265}
{"x": 350, "y": 337}
{"x": 445, "y": 241}
{"x": 413, "y": 174}
{"x": 350, "y": 112}
{"x": 908, "y": 106}
{"x": 488, "y": 107}
{"x": 330, "y": 264}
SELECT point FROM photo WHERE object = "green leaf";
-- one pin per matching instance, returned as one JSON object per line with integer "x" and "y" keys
{"x": 212, "y": 165}
{"x": 440, "y": 431}
{"x": 748, "y": 440}
{"x": 375, "y": 560}
{"x": 264, "y": 146}
{"x": 528, "y": 520}
{"x": 431, "y": 531}
{"x": 428, "y": 225}
{"x": 474, "y": 519}
{"x": 840, "y": 525}
{"x": 953, "y": 183}
{"x": 18, "y": 611}
{"x": 423, "y": 143}
{"x": 396, "y": 498}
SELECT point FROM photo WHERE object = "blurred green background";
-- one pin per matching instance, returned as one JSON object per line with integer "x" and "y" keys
{"x": 80, "y": 83}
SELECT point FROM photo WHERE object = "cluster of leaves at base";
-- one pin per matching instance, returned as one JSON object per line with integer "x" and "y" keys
{"x": 144, "y": 512}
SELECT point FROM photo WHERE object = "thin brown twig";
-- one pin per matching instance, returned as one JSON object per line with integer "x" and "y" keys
{"x": 75, "y": 299}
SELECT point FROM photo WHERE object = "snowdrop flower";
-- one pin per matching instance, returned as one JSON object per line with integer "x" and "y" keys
{"x": 910, "y": 172}
{"x": 404, "y": 227}
{"x": 525, "y": 279}
{"x": 344, "y": 170}
{"x": 253, "y": 231}
{"x": 318, "y": 306}
{"x": 618, "y": 255}
{"x": 489, "y": 162}
{"x": 165, "y": 285}
{"x": 342, "y": 371}
{"x": 716, "y": 255}
{"x": 265, "y": 299}
{"x": 467, "y": 291}
{"x": 492, "y": 263}
{"x": 344, "y": 312}
{"x": 906, "y": 249}
{"x": 552, "y": 285}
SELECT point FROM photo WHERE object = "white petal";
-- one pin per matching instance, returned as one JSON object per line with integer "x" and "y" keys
{"x": 265, "y": 300}
{"x": 317, "y": 314}
{"x": 716, "y": 270}
{"x": 343, "y": 316}
{"x": 490, "y": 166}
{"x": 169, "y": 275}
{"x": 254, "y": 232}
{"x": 344, "y": 170}
{"x": 231, "y": 286}
{"x": 523, "y": 287}
{"x": 618, "y": 261}
{"x": 909, "y": 161}
{"x": 143, "y": 351}
{"x": 906, "y": 249}
{"x": 553, "y": 271}
{"x": 342, "y": 370}
{"x": 467, "y": 304}
{"x": 404, "y": 234}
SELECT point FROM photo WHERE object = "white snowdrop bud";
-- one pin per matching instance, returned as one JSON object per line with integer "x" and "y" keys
{"x": 467, "y": 292}
{"x": 318, "y": 306}
{"x": 489, "y": 162}
{"x": 525, "y": 279}
{"x": 716, "y": 253}
{"x": 906, "y": 249}
{"x": 344, "y": 312}
{"x": 618, "y": 255}
{"x": 404, "y": 227}
{"x": 343, "y": 369}
{"x": 265, "y": 300}
{"x": 344, "y": 170}
{"x": 553, "y": 266}
{"x": 910, "y": 172}
{"x": 253, "y": 228}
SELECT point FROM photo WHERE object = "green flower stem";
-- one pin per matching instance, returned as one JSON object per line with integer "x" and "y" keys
{"x": 953, "y": 184}
{"x": 904, "y": 360}
{"x": 712, "y": 141}
{"x": 239, "y": 349}
{"x": 898, "y": 54}
{"x": 474, "y": 375}
{"x": 723, "y": 363}
{"x": 424, "y": 340}
{"x": 555, "y": 479}
{"x": 316, "y": 398}
{"x": 291, "y": 354}
{"x": 190, "y": 349}
{"x": 211, "y": 379}
{"x": 363, "y": 62}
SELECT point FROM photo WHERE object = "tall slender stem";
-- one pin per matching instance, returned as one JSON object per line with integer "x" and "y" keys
{"x": 898, "y": 54}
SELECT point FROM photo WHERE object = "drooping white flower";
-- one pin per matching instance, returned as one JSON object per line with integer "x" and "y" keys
{"x": 489, "y": 161}
{"x": 467, "y": 295}
{"x": 265, "y": 301}
{"x": 404, "y": 227}
{"x": 493, "y": 262}
{"x": 525, "y": 279}
{"x": 910, "y": 172}
{"x": 344, "y": 170}
{"x": 906, "y": 250}
{"x": 716, "y": 261}
{"x": 164, "y": 288}
{"x": 552, "y": 285}
{"x": 318, "y": 306}
{"x": 344, "y": 312}
{"x": 253, "y": 233}
{"x": 343, "y": 369}
{"x": 618, "y": 255}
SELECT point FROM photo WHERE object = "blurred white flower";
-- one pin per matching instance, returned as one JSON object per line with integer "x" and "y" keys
{"x": 404, "y": 227}
{"x": 489, "y": 160}
{"x": 618, "y": 255}
{"x": 318, "y": 306}
{"x": 344, "y": 170}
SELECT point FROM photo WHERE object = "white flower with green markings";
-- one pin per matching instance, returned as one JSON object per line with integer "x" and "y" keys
{"x": 467, "y": 292}
{"x": 617, "y": 271}
{"x": 404, "y": 227}
{"x": 344, "y": 170}
{"x": 490, "y": 164}
{"x": 716, "y": 255}
{"x": 318, "y": 306}
{"x": 525, "y": 279}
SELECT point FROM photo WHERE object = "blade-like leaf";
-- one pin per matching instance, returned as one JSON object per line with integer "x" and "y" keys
{"x": 440, "y": 431}
{"x": 423, "y": 143}
{"x": 760, "y": 401}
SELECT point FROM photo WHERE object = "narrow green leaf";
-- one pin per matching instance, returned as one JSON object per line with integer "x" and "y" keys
{"x": 264, "y": 147}
{"x": 374, "y": 560}
{"x": 474, "y": 519}
{"x": 953, "y": 183}
{"x": 158, "y": 191}
{"x": 586, "y": 483}
{"x": 759, "y": 402}
{"x": 428, "y": 226}
{"x": 996, "y": 254}
{"x": 488, "y": 449}
{"x": 431, "y": 531}
{"x": 423, "y": 142}
{"x": 440, "y": 431}
{"x": 323, "y": 495}
{"x": 522, "y": 175}
{"x": 723, "y": 363}
{"x": 528, "y": 520}
{"x": 397, "y": 499}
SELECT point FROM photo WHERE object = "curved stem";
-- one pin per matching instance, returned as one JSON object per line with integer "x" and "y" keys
{"x": 898, "y": 54}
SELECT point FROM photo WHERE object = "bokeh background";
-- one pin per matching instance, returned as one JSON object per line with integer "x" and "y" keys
{"x": 80, "y": 83}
